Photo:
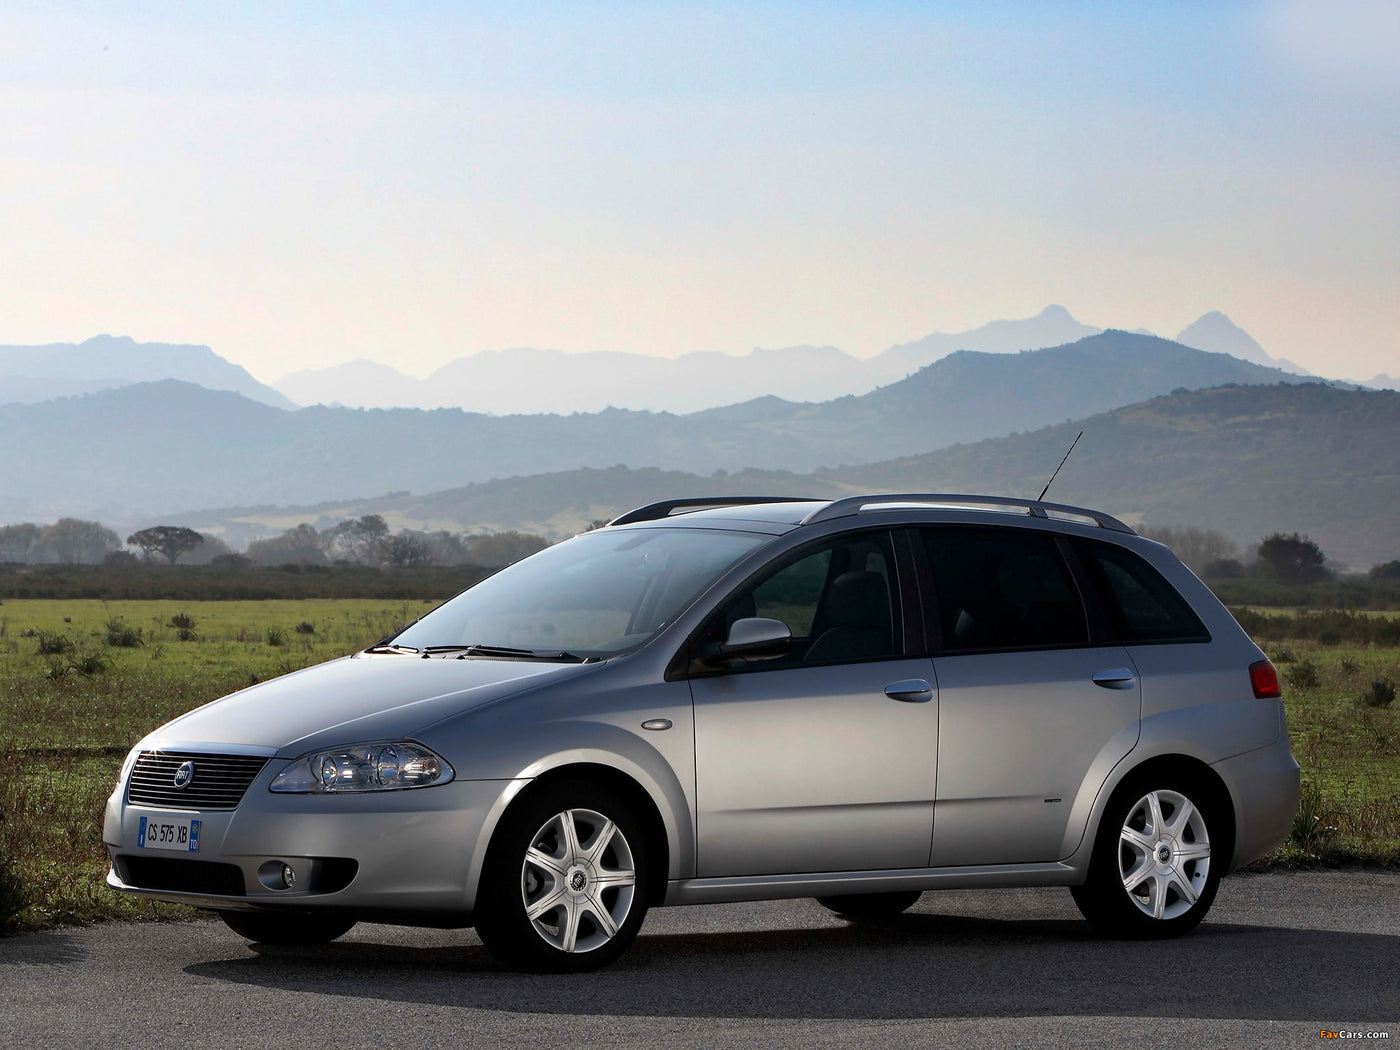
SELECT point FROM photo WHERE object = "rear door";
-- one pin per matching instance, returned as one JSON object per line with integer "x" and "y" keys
{"x": 1027, "y": 701}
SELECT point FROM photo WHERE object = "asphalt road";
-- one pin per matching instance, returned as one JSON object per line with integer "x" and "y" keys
{"x": 1282, "y": 958}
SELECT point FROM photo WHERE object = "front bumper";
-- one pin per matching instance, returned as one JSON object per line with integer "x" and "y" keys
{"x": 411, "y": 853}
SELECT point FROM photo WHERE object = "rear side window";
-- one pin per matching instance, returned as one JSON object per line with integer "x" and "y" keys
{"x": 1002, "y": 589}
{"x": 1141, "y": 605}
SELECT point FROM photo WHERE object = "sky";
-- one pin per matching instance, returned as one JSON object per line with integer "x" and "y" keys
{"x": 297, "y": 185}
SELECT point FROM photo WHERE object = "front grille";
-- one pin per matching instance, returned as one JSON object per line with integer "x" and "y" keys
{"x": 219, "y": 781}
{"x": 182, "y": 876}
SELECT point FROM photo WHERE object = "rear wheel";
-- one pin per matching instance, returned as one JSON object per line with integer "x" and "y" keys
{"x": 282, "y": 928}
{"x": 859, "y": 906}
{"x": 564, "y": 887}
{"x": 1154, "y": 872}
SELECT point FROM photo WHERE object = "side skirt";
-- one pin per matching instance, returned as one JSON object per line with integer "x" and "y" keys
{"x": 732, "y": 889}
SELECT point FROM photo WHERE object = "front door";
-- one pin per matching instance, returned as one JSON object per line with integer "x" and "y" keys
{"x": 812, "y": 762}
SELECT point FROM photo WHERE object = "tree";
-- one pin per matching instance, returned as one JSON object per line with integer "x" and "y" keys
{"x": 20, "y": 543}
{"x": 357, "y": 539}
{"x": 171, "y": 541}
{"x": 301, "y": 545}
{"x": 1292, "y": 559}
{"x": 77, "y": 542}
{"x": 1387, "y": 571}
{"x": 1198, "y": 548}
{"x": 498, "y": 549}
{"x": 406, "y": 550}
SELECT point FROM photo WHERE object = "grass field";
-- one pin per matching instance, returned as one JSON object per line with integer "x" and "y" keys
{"x": 83, "y": 680}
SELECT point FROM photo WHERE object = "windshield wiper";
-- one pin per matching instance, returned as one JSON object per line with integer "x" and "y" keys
{"x": 402, "y": 650}
{"x": 513, "y": 654}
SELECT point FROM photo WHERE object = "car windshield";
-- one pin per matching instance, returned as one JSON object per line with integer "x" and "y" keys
{"x": 598, "y": 594}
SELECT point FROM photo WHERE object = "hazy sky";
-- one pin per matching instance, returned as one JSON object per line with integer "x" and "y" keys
{"x": 297, "y": 185}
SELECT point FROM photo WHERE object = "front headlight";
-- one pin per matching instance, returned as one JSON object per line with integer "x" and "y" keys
{"x": 364, "y": 767}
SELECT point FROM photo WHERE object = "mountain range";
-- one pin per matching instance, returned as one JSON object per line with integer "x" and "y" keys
{"x": 105, "y": 362}
{"x": 156, "y": 448}
{"x": 1246, "y": 460}
{"x": 528, "y": 380}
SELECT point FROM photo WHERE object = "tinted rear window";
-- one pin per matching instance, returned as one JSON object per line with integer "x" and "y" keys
{"x": 1002, "y": 589}
{"x": 1141, "y": 605}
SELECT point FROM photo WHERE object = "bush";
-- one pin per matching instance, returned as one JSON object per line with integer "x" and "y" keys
{"x": 1310, "y": 832}
{"x": 1350, "y": 665}
{"x": 89, "y": 664}
{"x": 13, "y": 898}
{"x": 1303, "y": 675}
{"x": 184, "y": 625}
{"x": 1283, "y": 655}
{"x": 275, "y": 637}
{"x": 305, "y": 627}
{"x": 51, "y": 643}
{"x": 1381, "y": 693}
{"x": 122, "y": 635}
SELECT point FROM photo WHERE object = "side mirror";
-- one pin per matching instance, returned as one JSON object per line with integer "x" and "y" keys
{"x": 753, "y": 638}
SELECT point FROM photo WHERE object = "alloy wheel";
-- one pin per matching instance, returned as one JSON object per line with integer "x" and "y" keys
{"x": 1164, "y": 854}
{"x": 578, "y": 880}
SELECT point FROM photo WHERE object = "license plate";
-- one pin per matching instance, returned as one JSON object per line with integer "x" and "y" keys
{"x": 180, "y": 834}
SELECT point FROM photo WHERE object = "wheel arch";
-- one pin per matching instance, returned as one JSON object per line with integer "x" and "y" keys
{"x": 660, "y": 835}
{"x": 1168, "y": 765}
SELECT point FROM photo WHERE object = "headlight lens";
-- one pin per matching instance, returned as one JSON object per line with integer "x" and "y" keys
{"x": 364, "y": 767}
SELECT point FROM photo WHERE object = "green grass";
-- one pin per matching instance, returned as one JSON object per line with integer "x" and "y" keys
{"x": 68, "y": 717}
{"x": 65, "y": 732}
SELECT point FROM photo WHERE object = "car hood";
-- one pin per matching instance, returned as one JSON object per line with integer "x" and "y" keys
{"x": 353, "y": 699}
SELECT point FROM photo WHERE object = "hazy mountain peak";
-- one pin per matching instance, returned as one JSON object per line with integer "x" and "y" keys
{"x": 104, "y": 362}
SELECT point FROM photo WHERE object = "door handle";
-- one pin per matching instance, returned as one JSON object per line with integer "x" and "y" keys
{"x": 1115, "y": 678}
{"x": 913, "y": 691}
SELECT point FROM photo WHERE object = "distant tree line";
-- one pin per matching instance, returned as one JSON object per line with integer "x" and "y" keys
{"x": 364, "y": 541}
{"x": 1279, "y": 557}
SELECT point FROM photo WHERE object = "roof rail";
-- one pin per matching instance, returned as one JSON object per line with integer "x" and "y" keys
{"x": 667, "y": 507}
{"x": 1034, "y": 508}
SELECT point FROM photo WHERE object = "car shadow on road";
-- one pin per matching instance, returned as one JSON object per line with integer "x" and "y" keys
{"x": 918, "y": 966}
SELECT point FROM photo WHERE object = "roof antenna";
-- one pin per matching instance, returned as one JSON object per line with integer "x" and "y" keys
{"x": 1057, "y": 469}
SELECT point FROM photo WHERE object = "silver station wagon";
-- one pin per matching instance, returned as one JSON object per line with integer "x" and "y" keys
{"x": 726, "y": 700}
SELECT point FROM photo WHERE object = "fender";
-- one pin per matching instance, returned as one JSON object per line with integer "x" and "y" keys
{"x": 600, "y": 744}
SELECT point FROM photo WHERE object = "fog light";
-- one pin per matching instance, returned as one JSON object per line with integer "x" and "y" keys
{"x": 289, "y": 876}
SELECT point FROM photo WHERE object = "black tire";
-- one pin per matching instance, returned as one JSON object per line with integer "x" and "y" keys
{"x": 1119, "y": 910}
{"x": 269, "y": 927}
{"x": 583, "y": 888}
{"x": 858, "y": 906}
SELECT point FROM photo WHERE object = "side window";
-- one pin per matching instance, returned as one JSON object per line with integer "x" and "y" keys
{"x": 1141, "y": 605}
{"x": 840, "y": 602}
{"x": 1002, "y": 589}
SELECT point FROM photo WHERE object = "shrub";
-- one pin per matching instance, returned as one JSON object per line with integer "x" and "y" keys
{"x": 182, "y": 621}
{"x": 1310, "y": 832}
{"x": 275, "y": 637}
{"x": 1381, "y": 693}
{"x": 305, "y": 627}
{"x": 1303, "y": 675}
{"x": 13, "y": 898}
{"x": 89, "y": 664}
{"x": 1349, "y": 665}
{"x": 1283, "y": 655}
{"x": 51, "y": 643}
{"x": 122, "y": 635}
{"x": 57, "y": 669}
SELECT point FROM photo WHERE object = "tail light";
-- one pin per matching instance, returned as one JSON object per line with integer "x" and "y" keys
{"x": 1263, "y": 677}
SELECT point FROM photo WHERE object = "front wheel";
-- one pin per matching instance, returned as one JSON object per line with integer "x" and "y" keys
{"x": 1154, "y": 871}
{"x": 267, "y": 927}
{"x": 858, "y": 906}
{"x": 564, "y": 887}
